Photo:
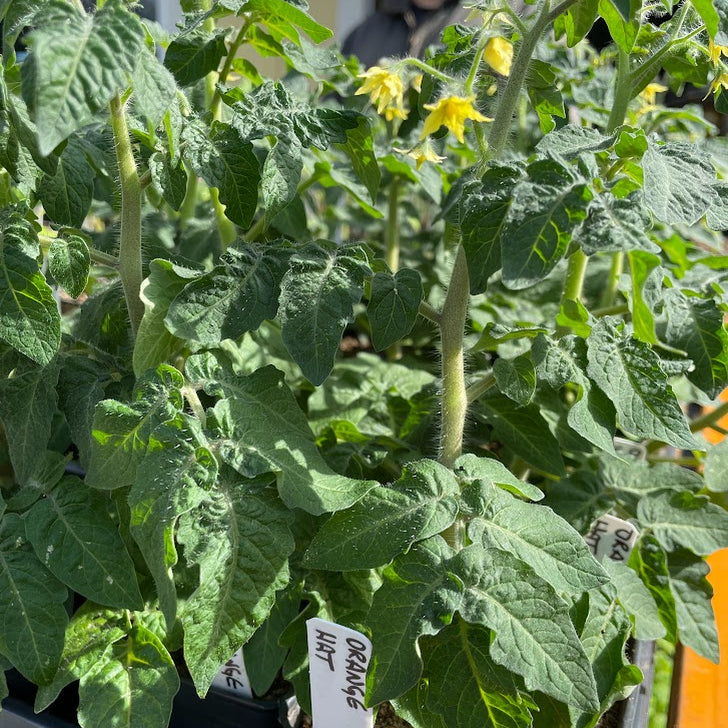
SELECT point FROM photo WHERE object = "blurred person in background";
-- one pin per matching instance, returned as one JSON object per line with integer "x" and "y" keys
{"x": 402, "y": 28}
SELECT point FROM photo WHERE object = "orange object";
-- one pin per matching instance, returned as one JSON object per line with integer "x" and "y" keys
{"x": 702, "y": 692}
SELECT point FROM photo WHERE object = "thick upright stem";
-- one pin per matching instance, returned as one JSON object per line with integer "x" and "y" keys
{"x": 615, "y": 272}
{"x": 622, "y": 92}
{"x": 574, "y": 282}
{"x": 454, "y": 394}
{"x": 130, "y": 240}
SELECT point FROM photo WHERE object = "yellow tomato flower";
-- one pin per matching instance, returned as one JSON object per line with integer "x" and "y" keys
{"x": 716, "y": 51}
{"x": 384, "y": 88}
{"x": 417, "y": 83}
{"x": 649, "y": 94}
{"x": 451, "y": 111}
{"x": 498, "y": 55}
{"x": 394, "y": 112}
{"x": 421, "y": 154}
{"x": 720, "y": 82}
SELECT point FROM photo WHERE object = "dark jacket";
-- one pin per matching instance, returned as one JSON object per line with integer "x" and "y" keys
{"x": 399, "y": 29}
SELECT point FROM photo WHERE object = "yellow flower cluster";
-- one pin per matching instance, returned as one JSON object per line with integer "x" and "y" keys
{"x": 716, "y": 51}
{"x": 386, "y": 90}
{"x": 648, "y": 95}
{"x": 422, "y": 153}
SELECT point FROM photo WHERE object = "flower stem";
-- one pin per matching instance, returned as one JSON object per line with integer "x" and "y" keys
{"x": 391, "y": 233}
{"x": 430, "y": 313}
{"x": 130, "y": 240}
{"x": 454, "y": 395}
{"x": 427, "y": 68}
{"x": 475, "y": 390}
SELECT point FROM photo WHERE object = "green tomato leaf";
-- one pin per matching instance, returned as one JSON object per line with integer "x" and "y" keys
{"x": 524, "y": 430}
{"x": 580, "y": 499}
{"x": 472, "y": 470}
{"x": 418, "y": 597}
{"x": 650, "y": 561}
{"x": 620, "y": 18}
{"x": 74, "y": 535}
{"x": 240, "y": 540}
{"x": 234, "y": 297}
{"x": 171, "y": 480}
{"x": 69, "y": 262}
{"x": 693, "y": 593}
{"x": 387, "y": 521}
{"x": 155, "y": 90}
{"x": 154, "y": 343}
{"x": 359, "y": 147}
{"x": 195, "y": 52}
{"x": 545, "y": 210}
{"x": 570, "y": 141}
{"x": 629, "y": 373}
{"x": 636, "y": 599}
{"x": 646, "y": 293}
{"x": 317, "y": 300}
{"x": 121, "y": 432}
{"x": 684, "y": 519}
{"x": 135, "y": 681}
{"x": 89, "y": 635}
{"x": 280, "y": 16}
{"x": 465, "y": 686}
{"x": 29, "y": 318}
{"x": 536, "y": 535}
{"x": 678, "y": 182}
{"x": 393, "y": 306}
{"x": 592, "y": 415}
{"x": 32, "y": 614}
{"x": 483, "y": 209}
{"x": 696, "y": 326}
{"x": 66, "y": 195}
{"x": 603, "y": 636}
{"x": 715, "y": 469}
{"x": 170, "y": 177}
{"x": 77, "y": 63}
{"x": 516, "y": 378}
{"x": 534, "y": 636}
{"x": 27, "y": 407}
{"x": 227, "y": 162}
{"x": 264, "y": 430}
{"x": 616, "y": 224}
{"x": 281, "y": 174}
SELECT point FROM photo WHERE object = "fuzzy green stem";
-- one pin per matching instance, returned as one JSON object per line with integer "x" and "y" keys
{"x": 475, "y": 65}
{"x": 187, "y": 208}
{"x": 102, "y": 258}
{"x": 225, "y": 228}
{"x": 193, "y": 399}
{"x": 477, "y": 389}
{"x": 622, "y": 92}
{"x": 430, "y": 313}
{"x": 130, "y": 239}
{"x": 391, "y": 232}
{"x": 574, "y": 283}
{"x": 615, "y": 272}
{"x": 509, "y": 99}
{"x": 709, "y": 419}
{"x": 454, "y": 395}
{"x": 426, "y": 67}
{"x": 227, "y": 67}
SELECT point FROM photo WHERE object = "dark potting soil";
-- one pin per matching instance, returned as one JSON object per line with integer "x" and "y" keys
{"x": 386, "y": 718}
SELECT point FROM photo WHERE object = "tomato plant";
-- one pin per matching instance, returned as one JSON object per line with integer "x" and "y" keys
{"x": 356, "y": 344}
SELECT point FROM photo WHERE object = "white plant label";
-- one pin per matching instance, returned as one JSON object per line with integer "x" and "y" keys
{"x": 232, "y": 677}
{"x": 338, "y": 659}
{"x": 612, "y": 537}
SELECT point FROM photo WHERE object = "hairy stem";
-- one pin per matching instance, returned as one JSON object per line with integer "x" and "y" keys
{"x": 391, "y": 232}
{"x": 227, "y": 67}
{"x": 615, "y": 272}
{"x": 130, "y": 240}
{"x": 430, "y": 313}
{"x": 454, "y": 396}
{"x": 622, "y": 92}
{"x": 476, "y": 389}
{"x": 225, "y": 228}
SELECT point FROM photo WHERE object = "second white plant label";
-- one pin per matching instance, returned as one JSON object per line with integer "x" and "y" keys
{"x": 338, "y": 661}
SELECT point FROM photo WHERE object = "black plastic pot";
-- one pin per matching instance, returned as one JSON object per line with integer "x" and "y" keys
{"x": 217, "y": 710}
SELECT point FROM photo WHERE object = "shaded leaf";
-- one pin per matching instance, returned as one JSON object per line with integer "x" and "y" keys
{"x": 393, "y": 306}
